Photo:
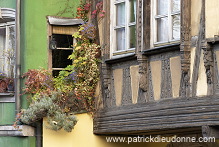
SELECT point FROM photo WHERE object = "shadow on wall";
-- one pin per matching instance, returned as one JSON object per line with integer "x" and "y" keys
{"x": 82, "y": 136}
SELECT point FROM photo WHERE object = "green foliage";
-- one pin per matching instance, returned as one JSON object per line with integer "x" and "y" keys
{"x": 2, "y": 75}
{"x": 85, "y": 64}
{"x": 83, "y": 9}
{"x": 46, "y": 106}
{"x": 38, "y": 81}
{"x": 63, "y": 82}
{"x": 72, "y": 90}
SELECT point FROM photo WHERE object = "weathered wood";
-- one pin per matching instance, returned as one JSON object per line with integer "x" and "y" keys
{"x": 168, "y": 114}
{"x": 200, "y": 41}
{"x": 121, "y": 59}
{"x": 185, "y": 38}
{"x": 143, "y": 78}
{"x": 67, "y": 30}
{"x": 161, "y": 49}
{"x": 146, "y": 24}
{"x": 209, "y": 66}
{"x": 210, "y": 131}
{"x": 139, "y": 24}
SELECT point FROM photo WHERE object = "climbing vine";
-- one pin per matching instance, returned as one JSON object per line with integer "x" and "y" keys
{"x": 73, "y": 90}
{"x": 85, "y": 64}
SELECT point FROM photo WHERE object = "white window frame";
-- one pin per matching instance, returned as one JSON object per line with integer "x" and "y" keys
{"x": 5, "y": 66}
{"x": 7, "y": 21}
{"x": 114, "y": 27}
{"x": 154, "y": 32}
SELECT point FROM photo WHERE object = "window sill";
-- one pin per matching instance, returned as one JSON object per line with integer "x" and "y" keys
{"x": 162, "y": 49}
{"x": 7, "y": 94}
{"x": 7, "y": 98}
{"x": 23, "y": 130}
{"x": 123, "y": 58}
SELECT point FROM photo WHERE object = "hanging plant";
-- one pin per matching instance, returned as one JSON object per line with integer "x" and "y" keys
{"x": 47, "y": 106}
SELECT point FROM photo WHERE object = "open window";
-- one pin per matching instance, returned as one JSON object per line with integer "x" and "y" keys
{"x": 61, "y": 42}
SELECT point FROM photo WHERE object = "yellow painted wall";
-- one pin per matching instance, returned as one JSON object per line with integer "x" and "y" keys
{"x": 212, "y": 13}
{"x": 134, "y": 82}
{"x": 82, "y": 136}
{"x": 118, "y": 83}
{"x": 195, "y": 16}
{"x": 202, "y": 79}
{"x": 156, "y": 78}
{"x": 175, "y": 68}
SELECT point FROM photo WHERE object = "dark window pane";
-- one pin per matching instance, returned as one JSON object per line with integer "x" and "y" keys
{"x": 132, "y": 37}
{"x": 132, "y": 10}
{"x": 63, "y": 41}
{"x": 55, "y": 73}
{"x": 60, "y": 58}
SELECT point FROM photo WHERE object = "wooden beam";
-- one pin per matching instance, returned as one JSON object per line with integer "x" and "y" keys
{"x": 160, "y": 115}
{"x": 210, "y": 131}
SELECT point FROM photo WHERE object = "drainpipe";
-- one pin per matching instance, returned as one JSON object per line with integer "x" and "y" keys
{"x": 38, "y": 130}
{"x": 18, "y": 61}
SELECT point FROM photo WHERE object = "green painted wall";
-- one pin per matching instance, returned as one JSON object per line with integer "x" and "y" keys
{"x": 8, "y": 4}
{"x": 34, "y": 30}
{"x": 34, "y": 52}
{"x": 17, "y": 141}
{"x": 7, "y": 113}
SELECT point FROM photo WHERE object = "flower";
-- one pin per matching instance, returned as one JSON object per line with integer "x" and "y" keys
{"x": 2, "y": 75}
{"x": 79, "y": 9}
{"x": 94, "y": 12}
{"x": 54, "y": 122}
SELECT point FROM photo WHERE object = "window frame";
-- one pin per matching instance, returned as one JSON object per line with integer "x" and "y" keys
{"x": 7, "y": 26}
{"x": 51, "y": 66}
{"x": 154, "y": 27}
{"x": 113, "y": 27}
{"x": 60, "y": 26}
{"x": 7, "y": 21}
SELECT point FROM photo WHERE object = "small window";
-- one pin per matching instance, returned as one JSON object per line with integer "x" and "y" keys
{"x": 61, "y": 42}
{"x": 166, "y": 21}
{"x": 60, "y": 60}
{"x": 123, "y": 24}
{"x": 63, "y": 48}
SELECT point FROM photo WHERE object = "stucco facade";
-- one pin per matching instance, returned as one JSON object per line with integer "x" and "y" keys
{"x": 160, "y": 90}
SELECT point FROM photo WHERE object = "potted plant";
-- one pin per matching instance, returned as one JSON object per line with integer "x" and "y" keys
{"x": 10, "y": 85}
{"x": 3, "y": 83}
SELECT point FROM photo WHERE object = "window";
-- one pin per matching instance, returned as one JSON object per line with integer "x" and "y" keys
{"x": 61, "y": 52}
{"x": 123, "y": 26}
{"x": 7, "y": 50}
{"x": 166, "y": 18}
{"x": 61, "y": 42}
